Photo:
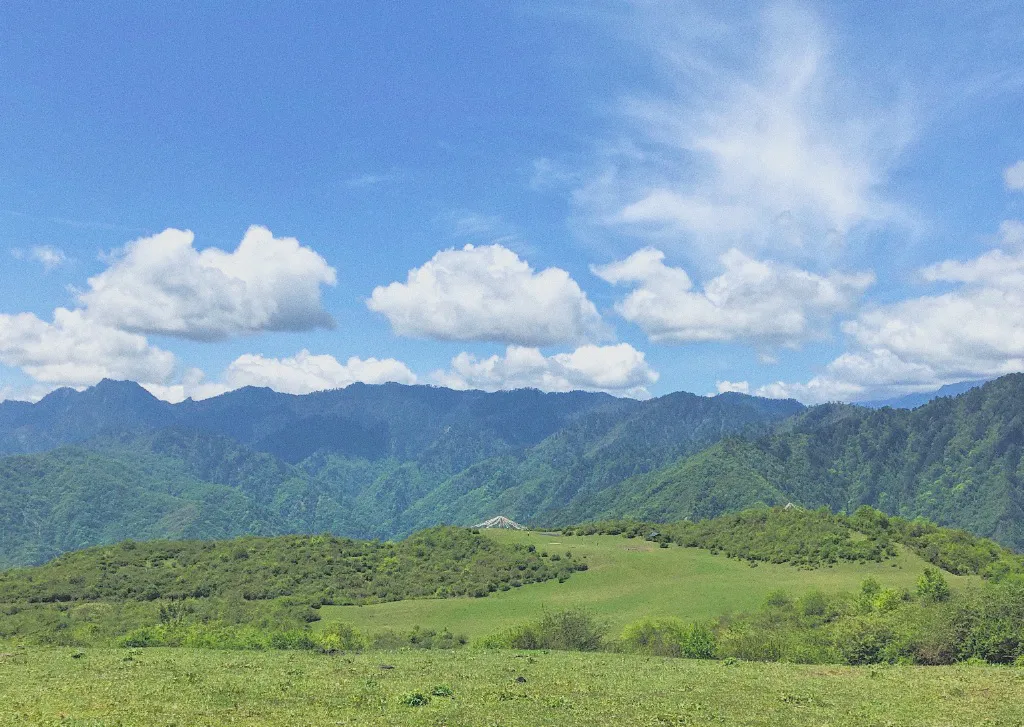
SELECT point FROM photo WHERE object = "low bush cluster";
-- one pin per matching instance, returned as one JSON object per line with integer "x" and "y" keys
{"x": 875, "y": 625}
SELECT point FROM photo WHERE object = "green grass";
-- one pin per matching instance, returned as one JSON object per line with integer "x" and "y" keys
{"x": 183, "y": 687}
{"x": 628, "y": 579}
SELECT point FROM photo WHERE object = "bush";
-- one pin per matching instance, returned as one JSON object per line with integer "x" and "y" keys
{"x": 932, "y": 586}
{"x": 342, "y": 638}
{"x": 570, "y": 630}
{"x": 670, "y": 637}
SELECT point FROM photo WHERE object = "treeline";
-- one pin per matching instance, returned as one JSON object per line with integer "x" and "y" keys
{"x": 817, "y": 538}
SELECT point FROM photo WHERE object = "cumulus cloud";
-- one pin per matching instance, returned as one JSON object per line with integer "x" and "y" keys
{"x": 1014, "y": 176}
{"x": 766, "y": 142}
{"x": 755, "y": 301}
{"x": 163, "y": 284}
{"x": 302, "y": 373}
{"x": 618, "y": 369}
{"x": 974, "y": 330}
{"x": 305, "y": 372}
{"x": 488, "y": 293}
{"x": 741, "y": 387}
{"x": 74, "y": 350}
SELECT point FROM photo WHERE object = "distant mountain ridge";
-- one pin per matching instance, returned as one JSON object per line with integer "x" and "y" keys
{"x": 371, "y": 421}
{"x": 113, "y": 462}
{"x": 912, "y": 401}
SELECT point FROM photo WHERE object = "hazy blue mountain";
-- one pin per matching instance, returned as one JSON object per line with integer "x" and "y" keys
{"x": 374, "y": 422}
{"x": 912, "y": 401}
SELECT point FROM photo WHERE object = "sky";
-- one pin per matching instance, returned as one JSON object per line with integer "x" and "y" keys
{"x": 822, "y": 201}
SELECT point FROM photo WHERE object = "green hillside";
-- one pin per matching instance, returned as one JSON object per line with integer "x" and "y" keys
{"x": 436, "y": 563}
{"x": 628, "y": 580}
{"x": 956, "y": 461}
{"x": 765, "y": 584}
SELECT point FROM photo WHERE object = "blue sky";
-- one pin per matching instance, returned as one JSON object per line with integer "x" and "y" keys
{"x": 791, "y": 199}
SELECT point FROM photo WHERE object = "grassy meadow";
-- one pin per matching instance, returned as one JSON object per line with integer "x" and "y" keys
{"x": 195, "y": 688}
{"x": 627, "y": 580}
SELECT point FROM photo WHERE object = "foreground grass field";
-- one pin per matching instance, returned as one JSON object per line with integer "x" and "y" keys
{"x": 627, "y": 580}
{"x": 189, "y": 688}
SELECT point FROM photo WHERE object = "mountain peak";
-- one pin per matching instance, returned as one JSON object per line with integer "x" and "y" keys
{"x": 124, "y": 390}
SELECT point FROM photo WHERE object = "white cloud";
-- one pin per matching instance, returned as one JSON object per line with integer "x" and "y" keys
{"x": 1011, "y": 233}
{"x": 305, "y": 372}
{"x": 162, "y": 284}
{"x": 50, "y": 257}
{"x": 1014, "y": 176}
{"x": 74, "y": 350}
{"x": 193, "y": 385}
{"x": 755, "y": 301}
{"x": 619, "y": 369}
{"x": 363, "y": 181}
{"x": 765, "y": 140}
{"x": 975, "y": 330}
{"x": 488, "y": 293}
{"x": 302, "y": 373}
{"x": 741, "y": 387}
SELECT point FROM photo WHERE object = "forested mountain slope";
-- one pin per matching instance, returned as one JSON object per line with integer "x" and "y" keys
{"x": 381, "y": 462}
{"x": 365, "y": 461}
{"x": 956, "y": 461}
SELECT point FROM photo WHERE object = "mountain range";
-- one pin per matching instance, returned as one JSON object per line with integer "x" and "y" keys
{"x": 380, "y": 461}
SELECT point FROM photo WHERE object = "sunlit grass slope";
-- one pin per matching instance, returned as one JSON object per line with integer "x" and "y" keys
{"x": 480, "y": 687}
{"x": 628, "y": 579}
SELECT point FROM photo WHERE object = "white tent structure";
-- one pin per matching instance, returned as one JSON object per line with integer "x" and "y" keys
{"x": 501, "y": 522}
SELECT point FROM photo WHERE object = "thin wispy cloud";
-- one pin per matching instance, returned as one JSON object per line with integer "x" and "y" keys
{"x": 772, "y": 147}
{"x": 46, "y": 255}
{"x": 365, "y": 181}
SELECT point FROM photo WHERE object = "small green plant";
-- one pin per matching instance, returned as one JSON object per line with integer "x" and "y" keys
{"x": 415, "y": 699}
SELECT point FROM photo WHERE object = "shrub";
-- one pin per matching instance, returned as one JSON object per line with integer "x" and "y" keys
{"x": 932, "y": 586}
{"x": 570, "y": 630}
{"x": 342, "y": 637}
{"x": 670, "y": 637}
